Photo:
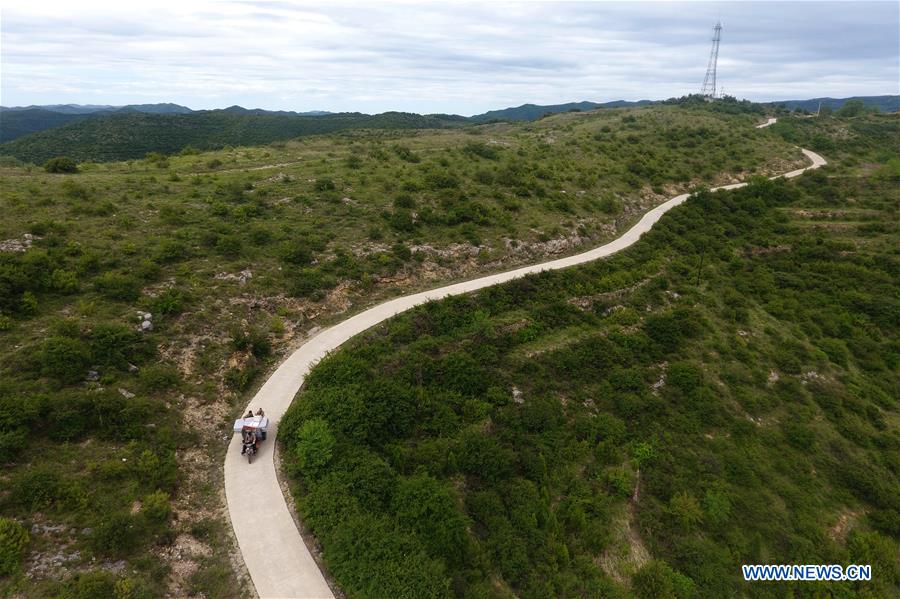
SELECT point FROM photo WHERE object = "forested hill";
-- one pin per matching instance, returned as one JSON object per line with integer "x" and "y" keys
{"x": 883, "y": 103}
{"x": 723, "y": 392}
{"x": 19, "y": 123}
{"x": 532, "y": 112}
{"x": 134, "y": 134}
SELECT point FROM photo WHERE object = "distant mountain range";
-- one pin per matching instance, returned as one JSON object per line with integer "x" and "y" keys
{"x": 19, "y": 121}
{"x": 103, "y": 132}
{"x": 98, "y": 132}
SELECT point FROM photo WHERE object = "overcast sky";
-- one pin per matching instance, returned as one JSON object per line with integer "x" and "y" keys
{"x": 437, "y": 57}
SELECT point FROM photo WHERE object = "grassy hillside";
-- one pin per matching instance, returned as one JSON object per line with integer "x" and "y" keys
{"x": 130, "y": 135}
{"x": 723, "y": 392}
{"x": 112, "y": 436}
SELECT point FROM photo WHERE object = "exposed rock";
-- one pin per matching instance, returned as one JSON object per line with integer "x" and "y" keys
{"x": 17, "y": 245}
{"x": 92, "y": 376}
{"x": 37, "y": 529}
{"x": 126, "y": 394}
{"x": 660, "y": 383}
{"x": 241, "y": 277}
{"x": 114, "y": 567}
{"x": 517, "y": 395}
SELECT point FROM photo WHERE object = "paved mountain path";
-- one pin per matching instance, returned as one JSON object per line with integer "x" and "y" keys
{"x": 279, "y": 562}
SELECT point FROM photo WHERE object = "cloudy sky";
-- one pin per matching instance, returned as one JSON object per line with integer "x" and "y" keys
{"x": 427, "y": 57}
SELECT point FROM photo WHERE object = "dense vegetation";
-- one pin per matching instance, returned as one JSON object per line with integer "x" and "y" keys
{"x": 882, "y": 103}
{"x": 19, "y": 122}
{"x": 124, "y": 136}
{"x": 723, "y": 392}
{"x": 533, "y": 112}
{"x": 112, "y": 426}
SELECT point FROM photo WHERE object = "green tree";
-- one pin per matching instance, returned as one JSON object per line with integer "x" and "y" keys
{"x": 851, "y": 108}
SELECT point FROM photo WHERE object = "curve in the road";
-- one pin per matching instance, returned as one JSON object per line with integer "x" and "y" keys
{"x": 276, "y": 556}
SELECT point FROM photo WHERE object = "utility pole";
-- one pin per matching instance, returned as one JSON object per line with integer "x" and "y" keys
{"x": 709, "y": 82}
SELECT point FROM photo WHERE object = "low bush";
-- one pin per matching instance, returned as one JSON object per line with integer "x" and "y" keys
{"x": 14, "y": 541}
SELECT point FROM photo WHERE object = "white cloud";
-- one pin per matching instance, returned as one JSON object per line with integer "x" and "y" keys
{"x": 430, "y": 57}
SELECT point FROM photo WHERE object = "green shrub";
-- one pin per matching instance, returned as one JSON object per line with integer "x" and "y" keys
{"x": 88, "y": 585}
{"x": 314, "y": 446}
{"x": 39, "y": 488}
{"x": 656, "y": 579}
{"x": 12, "y": 441}
{"x": 229, "y": 246}
{"x": 168, "y": 302}
{"x": 239, "y": 379}
{"x": 172, "y": 250}
{"x": 118, "y": 286}
{"x": 609, "y": 205}
{"x": 61, "y": 164}
{"x": 115, "y": 345}
{"x": 404, "y": 153}
{"x": 14, "y": 541}
{"x": 401, "y": 251}
{"x": 64, "y": 281}
{"x": 685, "y": 508}
{"x": 159, "y": 377}
{"x": 296, "y": 251}
{"x": 155, "y": 507}
{"x": 64, "y": 359}
{"x": 75, "y": 191}
{"x": 324, "y": 184}
{"x": 402, "y": 221}
{"x": 482, "y": 150}
{"x": 157, "y": 470}
{"x": 308, "y": 282}
{"x": 424, "y": 505}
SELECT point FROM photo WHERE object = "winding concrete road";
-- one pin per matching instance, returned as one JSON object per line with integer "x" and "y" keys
{"x": 276, "y": 557}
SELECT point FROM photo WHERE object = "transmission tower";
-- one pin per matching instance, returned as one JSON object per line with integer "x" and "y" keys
{"x": 709, "y": 82}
